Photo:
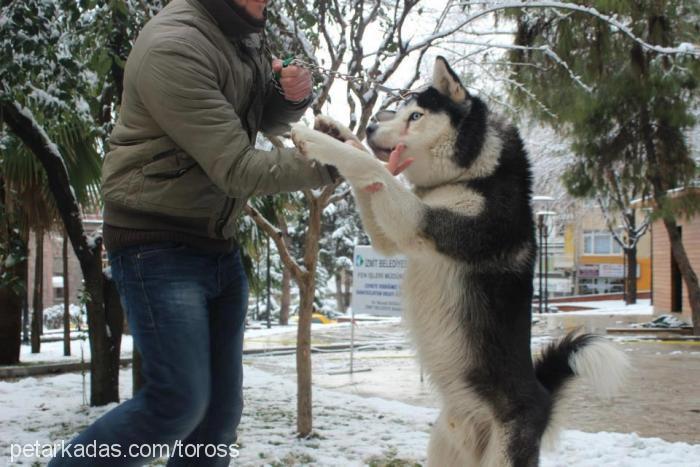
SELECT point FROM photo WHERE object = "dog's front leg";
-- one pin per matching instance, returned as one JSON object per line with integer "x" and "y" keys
{"x": 397, "y": 212}
{"x": 380, "y": 241}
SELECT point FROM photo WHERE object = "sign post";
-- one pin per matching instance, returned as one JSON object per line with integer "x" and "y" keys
{"x": 376, "y": 289}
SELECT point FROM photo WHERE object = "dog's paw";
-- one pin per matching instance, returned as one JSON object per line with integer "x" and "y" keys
{"x": 311, "y": 143}
{"x": 334, "y": 129}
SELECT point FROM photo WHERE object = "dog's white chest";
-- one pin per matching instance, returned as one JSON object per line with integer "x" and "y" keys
{"x": 434, "y": 293}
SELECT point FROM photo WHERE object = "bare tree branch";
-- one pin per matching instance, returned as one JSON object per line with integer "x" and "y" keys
{"x": 277, "y": 236}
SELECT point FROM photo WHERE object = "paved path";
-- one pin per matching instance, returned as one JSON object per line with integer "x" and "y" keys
{"x": 661, "y": 398}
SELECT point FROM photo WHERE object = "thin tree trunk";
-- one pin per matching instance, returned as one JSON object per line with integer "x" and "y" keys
{"x": 689, "y": 277}
{"x": 304, "y": 409}
{"x": 104, "y": 344}
{"x": 286, "y": 299}
{"x": 339, "y": 298}
{"x": 38, "y": 302}
{"x": 347, "y": 285}
{"x": 66, "y": 300}
{"x": 24, "y": 278}
{"x": 307, "y": 287}
{"x": 631, "y": 276}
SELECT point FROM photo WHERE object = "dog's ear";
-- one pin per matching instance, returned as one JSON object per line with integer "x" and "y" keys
{"x": 446, "y": 81}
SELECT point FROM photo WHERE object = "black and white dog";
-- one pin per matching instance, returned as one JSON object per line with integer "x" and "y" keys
{"x": 467, "y": 229}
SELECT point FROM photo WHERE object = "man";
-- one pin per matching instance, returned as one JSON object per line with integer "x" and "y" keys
{"x": 182, "y": 163}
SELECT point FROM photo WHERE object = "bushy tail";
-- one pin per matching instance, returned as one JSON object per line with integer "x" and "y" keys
{"x": 591, "y": 357}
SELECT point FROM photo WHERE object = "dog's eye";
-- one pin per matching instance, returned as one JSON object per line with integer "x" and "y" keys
{"x": 414, "y": 116}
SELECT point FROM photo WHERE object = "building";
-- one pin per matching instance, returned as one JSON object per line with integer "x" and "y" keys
{"x": 585, "y": 259}
{"x": 53, "y": 280}
{"x": 669, "y": 291}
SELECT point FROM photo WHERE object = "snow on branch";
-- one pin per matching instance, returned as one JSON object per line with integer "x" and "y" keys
{"x": 23, "y": 124}
{"x": 543, "y": 48}
{"x": 518, "y": 85}
{"x": 682, "y": 49}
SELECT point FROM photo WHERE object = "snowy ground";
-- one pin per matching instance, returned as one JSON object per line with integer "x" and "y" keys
{"x": 257, "y": 336}
{"x": 351, "y": 430}
{"x": 377, "y": 418}
{"x": 609, "y": 307}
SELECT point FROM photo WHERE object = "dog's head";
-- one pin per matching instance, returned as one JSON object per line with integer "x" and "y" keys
{"x": 444, "y": 130}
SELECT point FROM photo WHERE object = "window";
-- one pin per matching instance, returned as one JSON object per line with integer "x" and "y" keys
{"x": 600, "y": 242}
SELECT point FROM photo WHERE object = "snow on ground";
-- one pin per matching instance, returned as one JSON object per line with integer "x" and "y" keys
{"x": 52, "y": 352}
{"x": 257, "y": 336}
{"x": 350, "y": 430}
{"x": 609, "y": 307}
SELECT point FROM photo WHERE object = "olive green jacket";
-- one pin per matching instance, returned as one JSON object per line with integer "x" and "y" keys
{"x": 182, "y": 155}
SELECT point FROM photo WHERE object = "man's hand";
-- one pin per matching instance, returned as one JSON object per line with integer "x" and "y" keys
{"x": 295, "y": 81}
{"x": 395, "y": 165}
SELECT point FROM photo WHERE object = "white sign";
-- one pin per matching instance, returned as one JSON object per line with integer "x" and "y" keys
{"x": 613, "y": 270}
{"x": 377, "y": 282}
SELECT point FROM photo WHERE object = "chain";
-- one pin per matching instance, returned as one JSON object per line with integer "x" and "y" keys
{"x": 397, "y": 93}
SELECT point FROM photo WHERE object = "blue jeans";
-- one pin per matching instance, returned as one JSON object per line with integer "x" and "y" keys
{"x": 186, "y": 311}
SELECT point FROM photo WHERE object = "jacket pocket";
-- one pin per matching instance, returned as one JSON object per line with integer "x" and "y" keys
{"x": 174, "y": 184}
{"x": 169, "y": 164}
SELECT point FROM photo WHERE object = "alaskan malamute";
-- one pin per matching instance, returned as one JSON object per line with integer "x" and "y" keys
{"x": 467, "y": 229}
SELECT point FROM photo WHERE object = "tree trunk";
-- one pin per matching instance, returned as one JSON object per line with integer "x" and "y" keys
{"x": 38, "y": 301}
{"x": 347, "y": 285}
{"x": 689, "y": 277}
{"x": 66, "y": 300}
{"x": 24, "y": 278}
{"x": 104, "y": 345}
{"x": 105, "y": 369}
{"x": 286, "y": 299}
{"x": 10, "y": 326}
{"x": 631, "y": 276}
{"x": 304, "y": 412}
{"x": 307, "y": 288}
{"x": 11, "y": 293}
{"x": 339, "y": 298}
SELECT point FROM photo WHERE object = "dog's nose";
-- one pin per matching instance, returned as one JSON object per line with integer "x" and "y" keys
{"x": 371, "y": 129}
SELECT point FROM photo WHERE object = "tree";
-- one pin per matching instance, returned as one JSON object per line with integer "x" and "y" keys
{"x": 616, "y": 188}
{"x": 626, "y": 104}
{"x": 44, "y": 67}
{"x": 337, "y": 30}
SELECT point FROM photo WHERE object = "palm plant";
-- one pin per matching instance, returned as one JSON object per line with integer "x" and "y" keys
{"x": 32, "y": 203}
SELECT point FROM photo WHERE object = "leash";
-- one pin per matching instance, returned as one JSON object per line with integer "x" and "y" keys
{"x": 397, "y": 93}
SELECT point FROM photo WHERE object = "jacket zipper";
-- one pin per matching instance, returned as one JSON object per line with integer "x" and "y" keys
{"x": 230, "y": 203}
{"x": 225, "y": 214}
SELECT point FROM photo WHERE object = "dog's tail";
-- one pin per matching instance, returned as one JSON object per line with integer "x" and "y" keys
{"x": 591, "y": 357}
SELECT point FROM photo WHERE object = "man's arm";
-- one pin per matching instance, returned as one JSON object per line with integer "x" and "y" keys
{"x": 279, "y": 112}
{"x": 178, "y": 86}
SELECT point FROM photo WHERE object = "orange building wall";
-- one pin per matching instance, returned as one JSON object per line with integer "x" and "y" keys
{"x": 662, "y": 262}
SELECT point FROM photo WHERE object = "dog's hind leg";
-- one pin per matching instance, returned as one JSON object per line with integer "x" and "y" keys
{"x": 515, "y": 443}
{"x": 447, "y": 448}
